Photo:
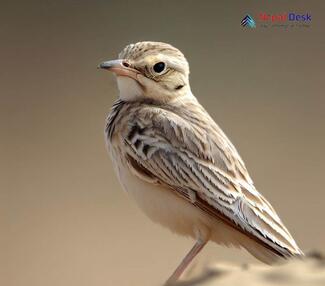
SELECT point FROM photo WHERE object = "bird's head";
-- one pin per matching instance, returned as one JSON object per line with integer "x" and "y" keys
{"x": 151, "y": 70}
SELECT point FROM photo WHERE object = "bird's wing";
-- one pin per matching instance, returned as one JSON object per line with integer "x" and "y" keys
{"x": 201, "y": 165}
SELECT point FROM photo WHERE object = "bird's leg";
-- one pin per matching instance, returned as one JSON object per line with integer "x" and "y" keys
{"x": 199, "y": 244}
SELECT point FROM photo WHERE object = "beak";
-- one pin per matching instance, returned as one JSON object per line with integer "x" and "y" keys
{"x": 120, "y": 68}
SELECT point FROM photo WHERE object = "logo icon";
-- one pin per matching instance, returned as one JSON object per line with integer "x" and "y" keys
{"x": 248, "y": 21}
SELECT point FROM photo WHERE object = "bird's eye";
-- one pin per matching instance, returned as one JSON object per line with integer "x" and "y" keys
{"x": 159, "y": 67}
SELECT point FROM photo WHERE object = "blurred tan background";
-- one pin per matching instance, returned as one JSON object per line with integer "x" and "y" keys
{"x": 64, "y": 219}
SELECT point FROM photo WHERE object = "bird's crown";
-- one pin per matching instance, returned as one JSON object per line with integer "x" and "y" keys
{"x": 140, "y": 50}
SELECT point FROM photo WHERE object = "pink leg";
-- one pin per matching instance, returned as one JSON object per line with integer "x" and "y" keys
{"x": 186, "y": 261}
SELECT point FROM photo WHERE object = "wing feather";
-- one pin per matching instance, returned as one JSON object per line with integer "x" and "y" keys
{"x": 189, "y": 153}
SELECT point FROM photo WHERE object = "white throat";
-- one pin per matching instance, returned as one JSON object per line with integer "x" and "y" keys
{"x": 129, "y": 88}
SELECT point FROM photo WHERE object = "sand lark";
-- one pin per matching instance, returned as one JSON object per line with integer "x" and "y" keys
{"x": 177, "y": 163}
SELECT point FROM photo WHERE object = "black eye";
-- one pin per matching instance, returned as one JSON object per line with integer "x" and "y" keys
{"x": 159, "y": 67}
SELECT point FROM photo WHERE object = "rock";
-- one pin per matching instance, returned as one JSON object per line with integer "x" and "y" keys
{"x": 308, "y": 271}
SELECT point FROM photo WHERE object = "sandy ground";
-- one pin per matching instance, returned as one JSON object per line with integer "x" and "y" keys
{"x": 309, "y": 271}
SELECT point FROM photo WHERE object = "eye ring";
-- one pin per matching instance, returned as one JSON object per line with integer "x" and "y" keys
{"x": 159, "y": 67}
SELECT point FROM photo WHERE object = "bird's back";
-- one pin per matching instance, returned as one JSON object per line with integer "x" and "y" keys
{"x": 181, "y": 147}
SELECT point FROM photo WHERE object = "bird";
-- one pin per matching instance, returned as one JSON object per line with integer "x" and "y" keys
{"x": 178, "y": 165}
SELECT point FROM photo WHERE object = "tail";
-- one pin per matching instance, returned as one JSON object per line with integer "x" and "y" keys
{"x": 269, "y": 255}
{"x": 262, "y": 224}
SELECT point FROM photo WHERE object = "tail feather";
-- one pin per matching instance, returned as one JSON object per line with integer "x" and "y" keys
{"x": 268, "y": 255}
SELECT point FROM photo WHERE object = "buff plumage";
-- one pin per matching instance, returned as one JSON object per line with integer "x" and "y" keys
{"x": 179, "y": 165}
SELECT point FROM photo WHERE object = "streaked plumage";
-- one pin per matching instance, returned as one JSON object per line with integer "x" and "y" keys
{"x": 178, "y": 164}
